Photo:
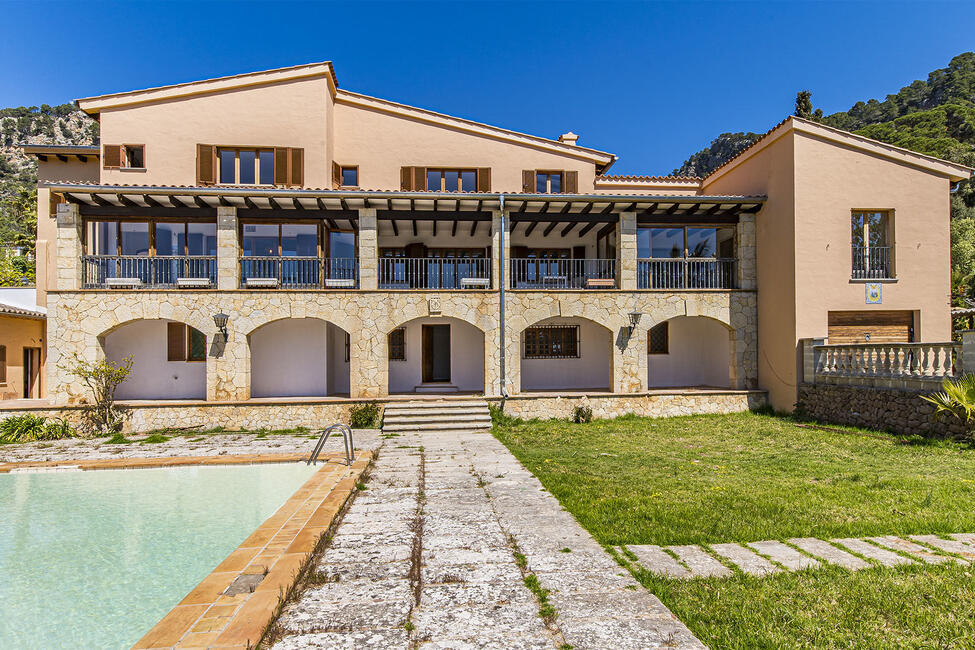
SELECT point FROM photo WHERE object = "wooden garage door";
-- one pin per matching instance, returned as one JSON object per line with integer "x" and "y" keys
{"x": 882, "y": 326}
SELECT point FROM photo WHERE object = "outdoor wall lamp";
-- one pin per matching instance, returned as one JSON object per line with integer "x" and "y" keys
{"x": 220, "y": 320}
{"x": 634, "y": 321}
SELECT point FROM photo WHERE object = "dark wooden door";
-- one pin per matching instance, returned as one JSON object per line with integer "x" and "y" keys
{"x": 436, "y": 353}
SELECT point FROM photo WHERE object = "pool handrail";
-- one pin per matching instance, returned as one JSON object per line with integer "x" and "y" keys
{"x": 346, "y": 432}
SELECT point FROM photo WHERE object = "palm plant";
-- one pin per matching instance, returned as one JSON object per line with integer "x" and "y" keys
{"x": 957, "y": 399}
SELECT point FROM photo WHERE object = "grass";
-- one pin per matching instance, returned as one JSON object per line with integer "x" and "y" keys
{"x": 743, "y": 477}
{"x": 747, "y": 477}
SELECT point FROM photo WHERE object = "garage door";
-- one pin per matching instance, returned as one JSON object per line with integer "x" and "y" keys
{"x": 881, "y": 326}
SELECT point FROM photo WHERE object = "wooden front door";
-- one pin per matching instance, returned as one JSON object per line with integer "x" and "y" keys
{"x": 881, "y": 326}
{"x": 436, "y": 353}
{"x": 32, "y": 373}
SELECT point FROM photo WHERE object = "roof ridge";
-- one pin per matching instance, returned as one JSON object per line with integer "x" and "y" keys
{"x": 644, "y": 177}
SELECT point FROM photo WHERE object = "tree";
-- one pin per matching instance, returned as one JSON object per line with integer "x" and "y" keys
{"x": 102, "y": 378}
{"x": 804, "y": 107}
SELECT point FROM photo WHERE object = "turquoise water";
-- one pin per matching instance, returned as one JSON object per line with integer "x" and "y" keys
{"x": 94, "y": 559}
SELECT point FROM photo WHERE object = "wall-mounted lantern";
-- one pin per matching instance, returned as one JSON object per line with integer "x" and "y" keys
{"x": 634, "y": 321}
{"x": 220, "y": 320}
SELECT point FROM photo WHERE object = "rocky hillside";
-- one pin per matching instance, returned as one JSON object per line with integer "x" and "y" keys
{"x": 63, "y": 124}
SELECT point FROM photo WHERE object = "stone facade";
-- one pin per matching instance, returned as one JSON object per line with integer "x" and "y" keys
{"x": 658, "y": 404}
{"x": 899, "y": 411}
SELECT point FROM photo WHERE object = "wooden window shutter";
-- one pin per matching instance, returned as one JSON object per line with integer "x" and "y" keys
{"x": 528, "y": 181}
{"x": 297, "y": 175}
{"x": 206, "y": 164}
{"x": 281, "y": 174}
{"x": 112, "y": 156}
{"x": 570, "y": 182}
{"x": 406, "y": 178}
{"x": 337, "y": 175}
{"x": 175, "y": 342}
{"x": 484, "y": 179}
{"x": 419, "y": 178}
{"x": 3, "y": 364}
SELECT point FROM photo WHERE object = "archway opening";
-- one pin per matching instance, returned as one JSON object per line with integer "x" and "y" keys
{"x": 168, "y": 359}
{"x": 689, "y": 351}
{"x": 566, "y": 354}
{"x": 436, "y": 355}
{"x": 299, "y": 357}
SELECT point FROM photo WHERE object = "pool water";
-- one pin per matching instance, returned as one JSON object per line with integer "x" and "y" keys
{"x": 94, "y": 559}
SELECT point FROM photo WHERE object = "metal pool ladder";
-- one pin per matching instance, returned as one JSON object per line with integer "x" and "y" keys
{"x": 346, "y": 439}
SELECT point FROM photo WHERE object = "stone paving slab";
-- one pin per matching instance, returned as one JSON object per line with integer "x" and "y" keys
{"x": 787, "y": 556}
{"x": 655, "y": 560}
{"x": 354, "y": 640}
{"x": 826, "y": 551}
{"x": 912, "y": 549}
{"x": 947, "y": 545}
{"x": 746, "y": 560}
{"x": 868, "y": 550}
{"x": 700, "y": 564}
{"x": 964, "y": 538}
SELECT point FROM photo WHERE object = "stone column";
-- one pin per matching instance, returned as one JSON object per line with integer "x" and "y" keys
{"x": 228, "y": 250}
{"x": 809, "y": 359}
{"x": 368, "y": 249}
{"x": 70, "y": 246}
{"x": 368, "y": 363}
{"x": 228, "y": 366}
{"x": 747, "y": 269}
{"x": 630, "y": 357}
{"x": 626, "y": 251}
{"x": 967, "y": 352}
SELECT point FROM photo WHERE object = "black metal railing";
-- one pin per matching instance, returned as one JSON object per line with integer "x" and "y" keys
{"x": 872, "y": 263}
{"x": 687, "y": 273}
{"x": 434, "y": 273}
{"x": 532, "y": 273}
{"x": 300, "y": 272}
{"x": 149, "y": 271}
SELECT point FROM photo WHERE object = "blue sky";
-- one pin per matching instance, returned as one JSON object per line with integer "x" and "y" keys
{"x": 650, "y": 82}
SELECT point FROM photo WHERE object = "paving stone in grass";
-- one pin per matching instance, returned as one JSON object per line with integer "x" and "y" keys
{"x": 787, "y": 556}
{"x": 748, "y": 561}
{"x": 949, "y": 545}
{"x": 825, "y": 550}
{"x": 700, "y": 563}
{"x": 866, "y": 549}
{"x": 655, "y": 560}
{"x": 912, "y": 549}
{"x": 964, "y": 538}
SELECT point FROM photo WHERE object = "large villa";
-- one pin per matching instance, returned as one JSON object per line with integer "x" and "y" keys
{"x": 270, "y": 235}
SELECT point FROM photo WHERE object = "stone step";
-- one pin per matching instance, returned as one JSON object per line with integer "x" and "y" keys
{"x": 434, "y": 404}
{"x": 436, "y": 417}
{"x": 868, "y": 550}
{"x": 828, "y": 552}
{"x": 914, "y": 550}
{"x": 438, "y": 426}
{"x": 747, "y": 560}
{"x": 655, "y": 560}
{"x": 699, "y": 562}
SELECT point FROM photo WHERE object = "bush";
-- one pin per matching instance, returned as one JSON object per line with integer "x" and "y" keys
{"x": 102, "y": 378}
{"x": 499, "y": 418}
{"x": 582, "y": 414}
{"x": 365, "y": 416}
{"x": 28, "y": 428}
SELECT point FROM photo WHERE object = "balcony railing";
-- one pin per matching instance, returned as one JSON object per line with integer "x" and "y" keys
{"x": 299, "y": 272}
{"x": 872, "y": 263}
{"x": 434, "y": 273}
{"x": 858, "y": 361}
{"x": 687, "y": 273}
{"x": 147, "y": 271}
{"x": 563, "y": 274}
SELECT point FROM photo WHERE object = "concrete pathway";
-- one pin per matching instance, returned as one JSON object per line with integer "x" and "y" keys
{"x": 455, "y": 545}
{"x": 769, "y": 557}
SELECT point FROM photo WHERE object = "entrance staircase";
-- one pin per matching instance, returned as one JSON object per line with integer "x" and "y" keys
{"x": 437, "y": 415}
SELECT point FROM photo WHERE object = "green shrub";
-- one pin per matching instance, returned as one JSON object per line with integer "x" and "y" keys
{"x": 59, "y": 428}
{"x": 582, "y": 414}
{"x": 28, "y": 428}
{"x": 365, "y": 416}
{"x": 499, "y": 418}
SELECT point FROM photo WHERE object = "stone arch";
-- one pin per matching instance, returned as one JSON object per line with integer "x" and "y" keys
{"x": 701, "y": 352}
{"x": 591, "y": 369}
{"x": 438, "y": 364}
{"x": 298, "y": 357}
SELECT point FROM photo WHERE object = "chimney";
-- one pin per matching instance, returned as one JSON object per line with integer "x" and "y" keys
{"x": 569, "y": 138}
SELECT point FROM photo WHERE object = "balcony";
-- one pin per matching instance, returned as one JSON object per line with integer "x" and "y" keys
{"x": 434, "y": 273}
{"x": 872, "y": 263}
{"x": 534, "y": 273}
{"x": 150, "y": 272}
{"x": 687, "y": 273}
{"x": 274, "y": 272}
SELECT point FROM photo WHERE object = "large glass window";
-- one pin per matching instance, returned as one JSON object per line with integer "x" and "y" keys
{"x": 870, "y": 239}
{"x": 341, "y": 245}
{"x": 135, "y": 237}
{"x": 548, "y": 182}
{"x": 246, "y": 166}
{"x": 182, "y": 238}
{"x": 201, "y": 239}
{"x": 552, "y": 342}
{"x": 299, "y": 240}
{"x": 103, "y": 238}
{"x": 260, "y": 239}
{"x": 692, "y": 242}
{"x": 452, "y": 180}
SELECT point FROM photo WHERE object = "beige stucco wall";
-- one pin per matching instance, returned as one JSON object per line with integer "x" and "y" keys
{"x": 287, "y": 114}
{"x": 16, "y": 334}
{"x": 381, "y": 143}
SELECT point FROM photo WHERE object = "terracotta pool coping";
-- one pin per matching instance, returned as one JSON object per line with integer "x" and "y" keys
{"x": 279, "y": 549}
{"x": 162, "y": 461}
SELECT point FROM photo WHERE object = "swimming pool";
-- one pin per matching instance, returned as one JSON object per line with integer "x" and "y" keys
{"x": 92, "y": 559}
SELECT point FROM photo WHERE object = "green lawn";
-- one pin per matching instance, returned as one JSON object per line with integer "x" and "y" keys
{"x": 747, "y": 477}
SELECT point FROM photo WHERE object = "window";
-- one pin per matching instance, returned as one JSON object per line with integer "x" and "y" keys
{"x": 279, "y": 239}
{"x": 350, "y": 176}
{"x": 397, "y": 345}
{"x": 689, "y": 241}
{"x": 870, "y": 242}
{"x": 548, "y": 182}
{"x": 3, "y": 365}
{"x": 178, "y": 238}
{"x": 185, "y": 343}
{"x": 124, "y": 156}
{"x": 557, "y": 342}
{"x": 452, "y": 180}
{"x": 246, "y": 166}
{"x": 658, "y": 339}
{"x": 135, "y": 156}
{"x": 147, "y": 238}
{"x": 348, "y": 347}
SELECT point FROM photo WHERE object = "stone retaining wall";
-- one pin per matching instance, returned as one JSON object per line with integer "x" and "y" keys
{"x": 657, "y": 405}
{"x": 898, "y": 411}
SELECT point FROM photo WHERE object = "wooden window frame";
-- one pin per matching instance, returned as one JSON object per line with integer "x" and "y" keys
{"x": 218, "y": 166}
{"x": 87, "y": 220}
{"x": 892, "y": 257}
{"x": 185, "y": 352}
{"x": 125, "y": 158}
{"x": 666, "y": 338}
{"x": 684, "y": 228}
{"x": 443, "y": 178}
{"x": 531, "y": 350}
{"x": 548, "y": 180}
{"x": 401, "y": 331}
{"x": 342, "y": 169}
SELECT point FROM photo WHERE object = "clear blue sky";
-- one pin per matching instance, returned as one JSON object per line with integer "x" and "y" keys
{"x": 650, "y": 82}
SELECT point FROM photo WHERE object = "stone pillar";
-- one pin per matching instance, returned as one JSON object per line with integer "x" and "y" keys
{"x": 626, "y": 251}
{"x": 228, "y": 366}
{"x": 809, "y": 359}
{"x": 368, "y": 363}
{"x": 629, "y": 360}
{"x": 967, "y": 352}
{"x": 70, "y": 247}
{"x": 368, "y": 249}
{"x": 747, "y": 269}
{"x": 228, "y": 250}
